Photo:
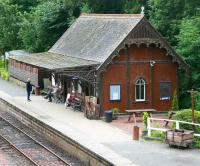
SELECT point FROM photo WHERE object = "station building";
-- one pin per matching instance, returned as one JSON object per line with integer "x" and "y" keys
{"x": 120, "y": 59}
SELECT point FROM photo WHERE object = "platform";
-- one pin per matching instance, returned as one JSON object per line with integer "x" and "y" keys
{"x": 108, "y": 141}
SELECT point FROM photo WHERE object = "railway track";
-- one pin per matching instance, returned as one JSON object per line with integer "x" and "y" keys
{"x": 10, "y": 149}
{"x": 37, "y": 153}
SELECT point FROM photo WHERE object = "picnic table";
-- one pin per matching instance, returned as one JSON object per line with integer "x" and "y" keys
{"x": 135, "y": 112}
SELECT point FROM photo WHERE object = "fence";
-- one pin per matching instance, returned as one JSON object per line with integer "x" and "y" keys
{"x": 177, "y": 125}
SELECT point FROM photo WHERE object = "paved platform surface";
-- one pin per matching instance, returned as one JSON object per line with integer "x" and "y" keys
{"x": 105, "y": 139}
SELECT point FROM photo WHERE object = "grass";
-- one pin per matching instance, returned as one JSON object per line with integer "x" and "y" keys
{"x": 4, "y": 74}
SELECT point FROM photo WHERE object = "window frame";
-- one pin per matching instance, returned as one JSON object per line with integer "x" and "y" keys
{"x": 114, "y": 100}
{"x": 135, "y": 87}
{"x": 170, "y": 86}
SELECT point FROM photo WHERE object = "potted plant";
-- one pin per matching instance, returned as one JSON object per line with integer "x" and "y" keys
{"x": 145, "y": 117}
{"x": 115, "y": 112}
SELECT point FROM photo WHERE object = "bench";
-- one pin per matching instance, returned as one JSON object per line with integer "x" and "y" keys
{"x": 135, "y": 112}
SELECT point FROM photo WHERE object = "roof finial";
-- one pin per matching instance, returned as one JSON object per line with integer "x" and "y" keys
{"x": 142, "y": 10}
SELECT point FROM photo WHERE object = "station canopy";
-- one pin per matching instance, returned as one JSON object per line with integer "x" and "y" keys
{"x": 53, "y": 61}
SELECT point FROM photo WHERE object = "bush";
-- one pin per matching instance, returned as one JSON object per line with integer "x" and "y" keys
{"x": 175, "y": 106}
{"x": 158, "y": 134}
{"x": 115, "y": 112}
{"x": 186, "y": 115}
{"x": 4, "y": 75}
{"x": 197, "y": 101}
{"x": 145, "y": 117}
{"x": 197, "y": 143}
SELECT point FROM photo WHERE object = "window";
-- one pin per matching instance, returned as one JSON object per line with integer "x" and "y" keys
{"x": 115, "y": 92}
{"x": 165, "y": 90}
{"x": 140, "y": 89}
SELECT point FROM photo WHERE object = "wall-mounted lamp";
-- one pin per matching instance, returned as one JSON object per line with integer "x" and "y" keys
{"x": 152, "y": 63}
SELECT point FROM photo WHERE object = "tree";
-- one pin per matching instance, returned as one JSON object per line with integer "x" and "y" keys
{"x": 197, "y": 101}
{"x": 105, "y": 6}
{"x": 175, "y": 106}
{"x": 9, "y": 26}
{"x": 24, "y": 5}
{"x": 166, "y": 16}
{"x": 189, "y": 48}
{"x": 132, "y": 6}
{"x": 43, "y": 26}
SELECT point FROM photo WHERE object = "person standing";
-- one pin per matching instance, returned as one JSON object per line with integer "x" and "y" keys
{"x": 28, "y": 89}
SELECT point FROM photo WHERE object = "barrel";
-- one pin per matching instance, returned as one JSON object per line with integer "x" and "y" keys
{"x": 108, "y": 116}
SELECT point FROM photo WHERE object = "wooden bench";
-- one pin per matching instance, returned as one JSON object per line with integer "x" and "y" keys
{"x": 135, "y": 112}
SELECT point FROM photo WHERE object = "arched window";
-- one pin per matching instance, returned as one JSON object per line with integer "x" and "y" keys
{"x": 140, "y": 89}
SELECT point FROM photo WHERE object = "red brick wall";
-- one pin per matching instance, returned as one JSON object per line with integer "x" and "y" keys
{"x": 164, "y": 70}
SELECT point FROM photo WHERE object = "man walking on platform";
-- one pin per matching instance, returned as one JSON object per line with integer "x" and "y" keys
{"x": 28, "y": 89}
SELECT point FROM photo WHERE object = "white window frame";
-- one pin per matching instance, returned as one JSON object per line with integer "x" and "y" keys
{"x": 118, "y": 92}
{"x": 139, "y": 82}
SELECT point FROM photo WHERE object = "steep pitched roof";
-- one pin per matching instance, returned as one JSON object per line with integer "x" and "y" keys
{"x": 95, "y": 36}
{"x": 95, "y": 39}
{"x": 100, "y": 37}
{"x": 145, "y": 33}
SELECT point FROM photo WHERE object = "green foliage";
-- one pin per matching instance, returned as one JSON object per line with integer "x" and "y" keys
{"x": 145, "y": 117}
{"x": 158, "y": 134}
{"x": 43, "y": 26}
{"x": 132, "y": 6}
{"x": 115, "y": 112}
{"x": 4, "y": 74}
{"x": 166, "y": 16}
{"x": 175, "y": 106}
{"x": 197, "y": 143}
{"x": 186, "y": 115}
{"x": 9, "y": 26}
{"x": 184, "y": 84}
{"x": 25, "y": 5}
{"x": 105, "y": 6}
{"x": 113, "y": 6}
{"x": 1, "y": 64}
{"x": 197, "y": 101}
{"x": 85, "y": 8}
{"x": 188, "y": 47}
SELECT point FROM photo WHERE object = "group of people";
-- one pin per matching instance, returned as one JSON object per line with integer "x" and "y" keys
{"x": 53, "y": 91}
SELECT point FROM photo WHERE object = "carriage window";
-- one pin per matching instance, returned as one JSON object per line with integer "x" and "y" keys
{"x": 115, "y": 92}
{"x": 140, "y": 89}
{"x": 165, "y": 90}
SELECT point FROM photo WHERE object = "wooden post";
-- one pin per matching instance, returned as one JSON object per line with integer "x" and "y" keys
{"x": 193, "y": 118}
{"x": 127, "y": 78}
{"x": 192, "y": 92}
